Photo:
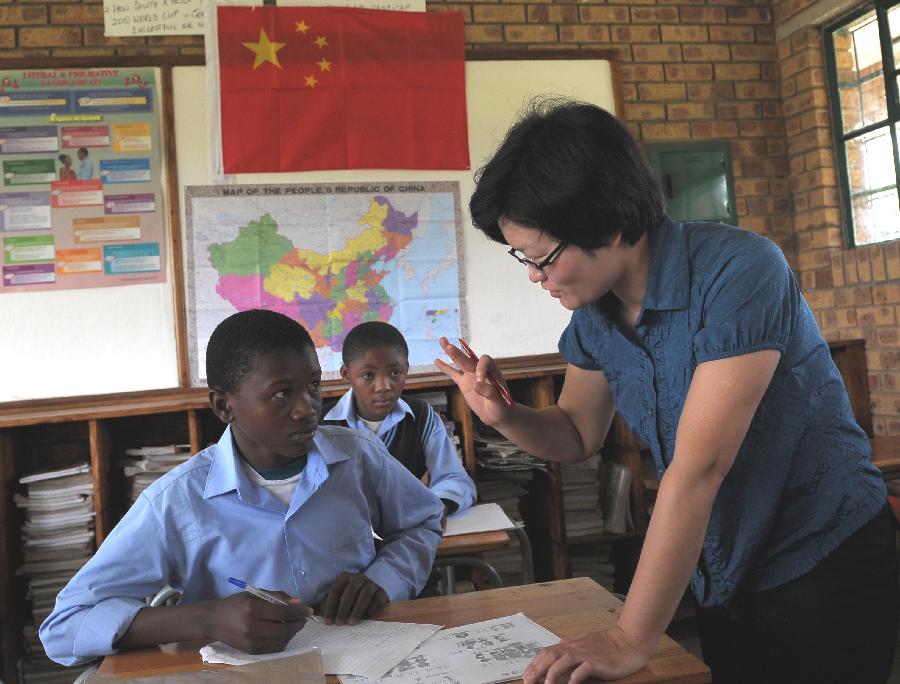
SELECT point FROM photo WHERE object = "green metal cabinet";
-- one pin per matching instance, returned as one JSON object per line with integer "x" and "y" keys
{"x": 696, "y": 179}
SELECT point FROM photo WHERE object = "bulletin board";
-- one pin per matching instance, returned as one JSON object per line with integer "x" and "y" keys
{"x": 132, "y": 338}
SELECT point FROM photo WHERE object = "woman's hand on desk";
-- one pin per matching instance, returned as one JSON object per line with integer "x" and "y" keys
{"x": 256, "y": 626}
{"x": 353, "y": 596}
{"x": 608, "y": 654}
{"x": 480, "y": 395}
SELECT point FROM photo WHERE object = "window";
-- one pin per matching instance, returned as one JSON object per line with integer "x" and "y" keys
{"x": 862, "y": 52}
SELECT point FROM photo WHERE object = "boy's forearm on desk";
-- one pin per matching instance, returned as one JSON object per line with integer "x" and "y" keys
{"x": 167, "y": 624}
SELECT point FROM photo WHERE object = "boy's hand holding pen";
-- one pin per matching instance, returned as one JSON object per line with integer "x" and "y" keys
{"x": 271, "y": 597}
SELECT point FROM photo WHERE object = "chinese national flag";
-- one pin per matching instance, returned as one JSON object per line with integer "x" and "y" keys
{"x": 310, "y": 88}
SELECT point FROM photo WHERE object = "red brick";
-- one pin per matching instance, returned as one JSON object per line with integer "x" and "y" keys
{"x": 654, "y": 15}
{"x": 689, "y": 72}
{"x": 498, "y": 14}
{"x": 656, "y": 53}
{"x": 531, "y": 33}
{"x": 484, "y": 33}
{"x": 18, "y": 15}
{"x": 685, "y": 33}
{"x": 603, "y": 14}
{"x": 49, "y": 37}
{"x": 708, "y": 52}
{"x": 76, "y": 14}
{"x": 635, "y": 34}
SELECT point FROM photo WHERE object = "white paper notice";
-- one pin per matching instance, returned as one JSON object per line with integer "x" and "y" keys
{"x": 481, "y": 518}
{"x": 370, "y": 648}
{"x": 153, "y": 17}
{"x": 396, "y": 5}
{"x": 481, "y": 653}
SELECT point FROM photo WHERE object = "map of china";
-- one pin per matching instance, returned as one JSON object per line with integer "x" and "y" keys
{"x": 328, "y": 293}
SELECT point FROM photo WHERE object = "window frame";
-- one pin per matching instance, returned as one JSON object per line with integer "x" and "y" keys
{"x": 891, "y": 122}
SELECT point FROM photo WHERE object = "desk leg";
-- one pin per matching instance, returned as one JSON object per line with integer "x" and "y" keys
{"x": 525, "y": 549}
{"x": 448, "y": 580}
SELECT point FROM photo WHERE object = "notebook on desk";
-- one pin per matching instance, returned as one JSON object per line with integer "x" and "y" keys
{"x": 481, "y": 518}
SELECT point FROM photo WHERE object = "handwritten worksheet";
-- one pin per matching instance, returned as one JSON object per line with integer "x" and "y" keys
{"x": 481, "y": 653}
{"x": 369, "y": 649}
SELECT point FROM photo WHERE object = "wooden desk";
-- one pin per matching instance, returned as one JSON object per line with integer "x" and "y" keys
{"x": 474, "y": 542}
{"x": 566, "y": 607}
{"x": 886, "y": 455}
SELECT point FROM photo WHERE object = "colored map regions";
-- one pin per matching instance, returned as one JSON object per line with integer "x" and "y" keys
{"x": 329, "y": 293}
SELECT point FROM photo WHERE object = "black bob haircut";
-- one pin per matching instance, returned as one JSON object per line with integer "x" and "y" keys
{"x": 369, "y": 335}
{"x": 571, "y": 170}
{"x": 243, "y": 338}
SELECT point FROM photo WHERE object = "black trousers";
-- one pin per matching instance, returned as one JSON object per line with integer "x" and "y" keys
{"x": 837, "y": 623}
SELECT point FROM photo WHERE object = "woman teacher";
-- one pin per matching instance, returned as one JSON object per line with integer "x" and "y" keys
{"x": 698, "y": 335}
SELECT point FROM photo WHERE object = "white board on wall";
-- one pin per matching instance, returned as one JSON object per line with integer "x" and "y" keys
{"x": 507, "y": 315}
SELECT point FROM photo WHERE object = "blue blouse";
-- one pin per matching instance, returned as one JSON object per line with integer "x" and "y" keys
{"x": 803, "y": 480}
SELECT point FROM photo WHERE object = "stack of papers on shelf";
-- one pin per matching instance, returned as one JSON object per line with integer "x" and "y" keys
{"x": 594, "y": 559}
{"x": 438, "y": 401}
{"x": 505, "y": 473}
{"x": 144, "y": 465}
{"x": 57, "y": 539}
{"x": 496, "y": 650}
{"x": 581, "y": 499}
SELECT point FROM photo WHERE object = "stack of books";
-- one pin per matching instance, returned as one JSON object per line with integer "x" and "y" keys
{"x": 581, "y": 499}
{"x": 594, "y": 559}
{"x": 144, "y": 465}
{"x": 438, "y": 401}
{"x": 504, "y": 476}
{"x": 57, "y": 539}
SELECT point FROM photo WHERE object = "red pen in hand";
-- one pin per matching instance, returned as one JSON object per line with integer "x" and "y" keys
{"x": 495, "y": 383}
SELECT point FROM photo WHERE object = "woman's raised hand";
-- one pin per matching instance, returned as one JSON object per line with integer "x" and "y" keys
{"x": 473, "y": 379}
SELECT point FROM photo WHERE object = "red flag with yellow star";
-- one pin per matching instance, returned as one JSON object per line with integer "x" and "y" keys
{"x": 311, "y": 88}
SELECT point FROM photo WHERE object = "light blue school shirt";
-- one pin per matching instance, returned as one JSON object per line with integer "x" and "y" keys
{"x": 205, "y": 521}
{"x": 803, "y": 480}
{"x": 85, "y": 169}
{"x": 447, "y": 478}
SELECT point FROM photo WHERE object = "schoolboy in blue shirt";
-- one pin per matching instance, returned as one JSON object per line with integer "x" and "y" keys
{"x": 375, "y": 363}
{"x": 279, "y": 502}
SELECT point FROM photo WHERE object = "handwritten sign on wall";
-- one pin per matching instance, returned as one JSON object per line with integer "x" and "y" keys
{"x": 153, "y": 17}
{"x": 187, "y": 17}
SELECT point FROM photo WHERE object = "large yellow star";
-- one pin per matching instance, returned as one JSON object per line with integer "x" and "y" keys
{"x": 324, "y": 64}
{"x": 302, "y": 26}
{"x": 321, "y": 41}
{"x": 310, "y": 81}
{"x": 265, "y": 50}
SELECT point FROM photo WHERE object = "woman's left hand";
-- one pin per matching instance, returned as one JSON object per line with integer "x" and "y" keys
{"x": 607, "y": 654}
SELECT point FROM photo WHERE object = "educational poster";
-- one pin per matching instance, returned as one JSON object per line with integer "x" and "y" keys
{"x": 81, "y": 198}
{"x": 330, "y": 256}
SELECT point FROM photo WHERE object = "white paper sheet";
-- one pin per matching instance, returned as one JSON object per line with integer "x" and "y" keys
{"x": 369, "y": 649}
{"x": 481, "y": 518}
{"x": 481, "y": 653}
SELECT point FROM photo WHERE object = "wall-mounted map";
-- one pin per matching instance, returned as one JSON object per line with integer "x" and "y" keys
{"x": 330, "y": 256}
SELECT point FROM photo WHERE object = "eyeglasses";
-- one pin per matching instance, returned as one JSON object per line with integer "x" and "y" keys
{"x": 540, "y": 266}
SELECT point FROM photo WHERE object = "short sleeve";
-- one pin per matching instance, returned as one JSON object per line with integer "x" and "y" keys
{"x": 580, "y": 337}
{"x": 750, "y": 303}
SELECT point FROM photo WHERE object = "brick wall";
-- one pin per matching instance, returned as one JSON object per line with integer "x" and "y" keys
{"x": 691, "y": 69}
{"x": 855, "y": 293}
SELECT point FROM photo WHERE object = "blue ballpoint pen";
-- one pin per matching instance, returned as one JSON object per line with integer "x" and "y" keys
{"x": 263, "y": 594}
